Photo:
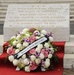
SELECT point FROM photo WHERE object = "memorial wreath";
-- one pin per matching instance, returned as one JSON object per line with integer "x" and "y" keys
{"x": 32, "y": 50}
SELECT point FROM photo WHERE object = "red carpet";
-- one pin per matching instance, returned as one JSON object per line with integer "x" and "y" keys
{"x": 7, "y": 68}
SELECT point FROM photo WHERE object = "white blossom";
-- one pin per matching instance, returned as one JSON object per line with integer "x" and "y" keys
{"x": 38, "y": 61}
{"x": 33, "y": 57}
{"x": 27, "y": 68}
{"x": 46, "y": 45}
{"x": 25, "y": 44}
{"x": 11, "y": 58}
{"x": 18, "y": 45}
{"x": 26, "y": 61}
{"x": 49, "y": 55}
{"x": 38, "y": 50}
{"x": 17, "y": 50}
{"x": 24, "y": 56}
{"x": 27, "y": 35}
{"x": 15, "y": 62}
{"x": 18, "y": 36}
{"x": 40, "y": 46}
{"x": 41, "y": 56}
{"x": 51, "y": 39}
{"x": 44, "y": 32}
{"x": 25, "y": 30}
{"x": 47, "y": 64}
{"x": 14, "y": 43}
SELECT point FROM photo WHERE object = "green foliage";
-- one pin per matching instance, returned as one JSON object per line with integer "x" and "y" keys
{"x": 11, "y": 41}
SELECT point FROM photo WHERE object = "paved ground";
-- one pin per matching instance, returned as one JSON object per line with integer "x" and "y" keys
{"x": 68, "y": 72}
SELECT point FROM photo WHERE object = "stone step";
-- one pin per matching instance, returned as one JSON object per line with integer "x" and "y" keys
{"x": 72, "y": 19}
{"x": 72, "y": 12}
{"x": 37, "y": 0}
{"x": 18, "y": 2}
{"x": 2, "y": 19}
{"x": 3, "y": 8}
{"x": 1, "y": 43}
{"x": 4, "y": 11}
{"x": 68, "y": 61}
{"x": 71, "y": 38}
{"x": 71, "y": 8}
{"x": 69, "y": 46}
{"x": 2, "y": 16}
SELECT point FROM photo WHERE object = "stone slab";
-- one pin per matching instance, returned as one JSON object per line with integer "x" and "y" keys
{"x": 51, "y": 17}
{"x": 68, "y": 61}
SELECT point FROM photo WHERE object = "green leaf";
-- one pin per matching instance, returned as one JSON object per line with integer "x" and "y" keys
{"x": 11, "y": 41}
{"x": 22, "y": 36}
{"x": 28, "y": 32}
{"x": 19, "y": 65}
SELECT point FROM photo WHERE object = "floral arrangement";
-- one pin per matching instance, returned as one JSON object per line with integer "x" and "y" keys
{"x": 39, "y": 58}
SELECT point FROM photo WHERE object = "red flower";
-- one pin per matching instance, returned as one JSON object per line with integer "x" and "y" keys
{"x": 10, "y": 51}
{"x": 32, "y": 29}
{"x": 44, "y": 52}
{"x": 32, "y": 51}
{"x": 33, "y": 66}
{"x": 32, "y": 38}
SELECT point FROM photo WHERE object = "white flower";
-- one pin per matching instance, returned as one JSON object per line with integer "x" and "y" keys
{"x": 40, "y": 46}
{"x": 17, "y": 50}
{"x": 17, "y": 68}
{"x": 47, "y": 64}
{"x": 15, "y": 62}
{"x": 37, "y": 37}
{"x": 49, "y": 55}
{"x": 32, "y": 57}
{"x": 18, "y": 45}
{"x": 11, "y": 58}
{"x": 18, "y": 37}
{"x": 36, "y": 32}
{"x": 25, "y": 30}
{"x": 24, "y": 56}
{"x": 47, "y": 60}
{"x": 43, "y": 69}
{"x": 13, "y": 37}
{"x": 27, "y": 68}
{"x": 52, "y": 50}
{"x": 42, "y": 35}
{"x": 26, "y": 61}
{"x": 46, "y": 45}
{"x": 27, "y": 35}
{"x": 38, "y": 61}
{"x": 14, "y": 43}
{"x": 38, "y": 50}
{"x": 41, "y": 56}
{"x": 44, "y": 32}
{"x": 51, "y": 39}
{"x": 25, "y": 44}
